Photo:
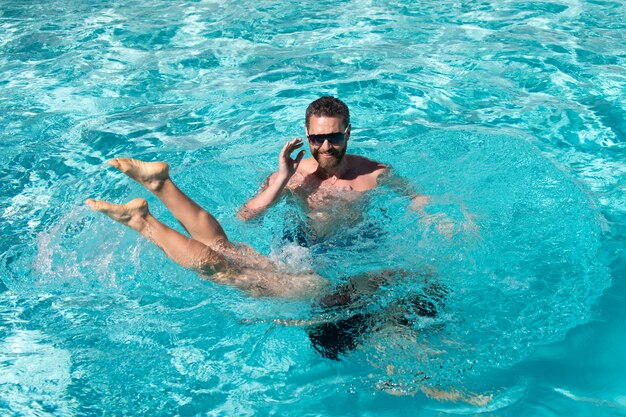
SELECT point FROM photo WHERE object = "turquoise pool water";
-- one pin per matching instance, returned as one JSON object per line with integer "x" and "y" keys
{"x": 510, "y": 114}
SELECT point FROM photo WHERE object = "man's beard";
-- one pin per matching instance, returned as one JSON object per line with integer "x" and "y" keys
{"x": 330, "y": 163}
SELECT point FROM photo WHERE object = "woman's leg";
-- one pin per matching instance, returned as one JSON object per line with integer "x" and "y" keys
{"x": 186, "y": 252}
{"x": 244, "y": 269}
{"x": 199, "y": 223}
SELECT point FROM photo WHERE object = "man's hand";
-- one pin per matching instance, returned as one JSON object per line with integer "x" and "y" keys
{"x": 274, "y": 186}
{"x": 287, "y": 166}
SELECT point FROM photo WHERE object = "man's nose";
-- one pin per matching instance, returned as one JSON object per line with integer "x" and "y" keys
{"x": 326, "y": 145}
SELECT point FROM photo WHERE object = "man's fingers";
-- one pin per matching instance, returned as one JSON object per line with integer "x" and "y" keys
{"x": 291, "y": 146}
{"x": 285, "y": 148}
{"x": 296, "y": 143}
{"x": 295, "y": 146}
{"x": 299, "y": 157}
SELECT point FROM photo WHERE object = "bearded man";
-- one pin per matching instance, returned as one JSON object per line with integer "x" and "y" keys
{"x": 331, "y": 176}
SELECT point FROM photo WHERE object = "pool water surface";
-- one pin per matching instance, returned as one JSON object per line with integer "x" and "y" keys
{"x": 509, "y": 115}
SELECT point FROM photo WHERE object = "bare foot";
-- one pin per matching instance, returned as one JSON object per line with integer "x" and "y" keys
{"x": 151, "y": 175}
{"x": 454, "y": 395}
{"x": 132, "y": 214}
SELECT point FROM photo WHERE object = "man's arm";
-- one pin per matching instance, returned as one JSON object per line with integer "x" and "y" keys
{"x": 272, "y": 189}
{"x": 403, "y": 187}
{"x": 419, "y": 202}
{"x": 271, "y": 192}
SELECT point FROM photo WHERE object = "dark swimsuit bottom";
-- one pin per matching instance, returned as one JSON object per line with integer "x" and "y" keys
{"x": 336, "y": 338}
{"x": 300, "y": 234}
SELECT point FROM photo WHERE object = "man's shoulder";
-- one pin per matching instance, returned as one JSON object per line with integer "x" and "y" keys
{"x": 367, "y": 166}
{"x": 307, "y": 166}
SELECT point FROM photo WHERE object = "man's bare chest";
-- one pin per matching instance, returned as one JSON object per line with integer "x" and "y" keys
{"x": 324, "y": 194}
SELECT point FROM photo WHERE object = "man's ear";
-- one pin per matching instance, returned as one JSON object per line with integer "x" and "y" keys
{"x": 348, "y": 131}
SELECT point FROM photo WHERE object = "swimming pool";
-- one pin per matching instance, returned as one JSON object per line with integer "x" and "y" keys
{"x": 510, "y": 114}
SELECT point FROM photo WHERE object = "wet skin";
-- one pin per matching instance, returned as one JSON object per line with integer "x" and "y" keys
{"x": 328, "y": 180}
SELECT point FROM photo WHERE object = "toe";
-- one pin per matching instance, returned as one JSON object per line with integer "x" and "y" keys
{"x": 93, "y": 204}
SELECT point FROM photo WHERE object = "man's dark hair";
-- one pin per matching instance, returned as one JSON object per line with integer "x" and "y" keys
{"x": 328, "y": 106}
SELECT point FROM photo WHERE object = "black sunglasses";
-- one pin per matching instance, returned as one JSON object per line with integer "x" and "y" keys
{"x": 334, "y": 138}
